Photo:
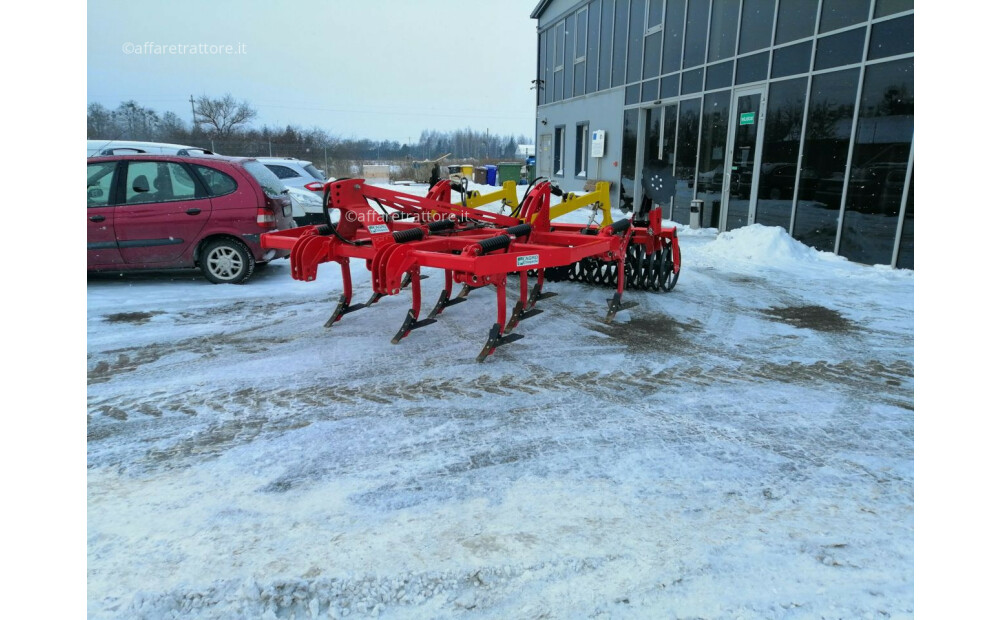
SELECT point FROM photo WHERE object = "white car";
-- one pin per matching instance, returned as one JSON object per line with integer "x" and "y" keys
{"x": 295, "y": 174}
{"x": 97, "y": 148}
{"x": 307, "y": 206}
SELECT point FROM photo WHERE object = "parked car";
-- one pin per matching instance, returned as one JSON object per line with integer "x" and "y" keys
{"x": 162, "y": 212}
{"x": 293, "y": 172}
{"x": 307, "y": 206}
{"x": 96, "y": 148}
{"x": 305, "y": 184}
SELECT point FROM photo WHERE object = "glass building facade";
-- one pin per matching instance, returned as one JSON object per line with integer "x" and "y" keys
{"x": 791, "y": 113}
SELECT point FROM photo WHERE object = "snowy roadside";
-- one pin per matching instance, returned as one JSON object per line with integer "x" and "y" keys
{"x": 741, "y": 446}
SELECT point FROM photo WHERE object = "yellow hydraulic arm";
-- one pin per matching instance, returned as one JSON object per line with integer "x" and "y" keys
{"x": 600, "y": 198}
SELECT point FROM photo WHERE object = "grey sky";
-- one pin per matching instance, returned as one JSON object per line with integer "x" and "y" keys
{"x": 381, "y": 69}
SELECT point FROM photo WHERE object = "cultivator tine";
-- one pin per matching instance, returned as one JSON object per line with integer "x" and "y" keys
{"x": 615, "y": 305}
{"x": 411, "y": 323}
{"x": 445, "y": 299}
{"x": 466, "y": 290}
{"x": 344, "y": 303}
{"x": 519, "y": 313}
{"x": 496, "y": 339}
{"x": 374, "y": 299}
{"x": 406, "y": 280}
{"x": 537, "y": 294}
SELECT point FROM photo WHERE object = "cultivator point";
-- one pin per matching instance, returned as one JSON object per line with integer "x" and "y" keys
{"x": 398, "y": 234}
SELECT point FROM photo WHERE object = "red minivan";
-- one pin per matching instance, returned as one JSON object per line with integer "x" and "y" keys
{"x": 165, "y": 211}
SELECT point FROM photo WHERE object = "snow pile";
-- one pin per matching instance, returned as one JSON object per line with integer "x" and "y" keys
{"x": 759, "y": 244}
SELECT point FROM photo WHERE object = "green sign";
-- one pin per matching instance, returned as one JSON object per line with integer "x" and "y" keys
{"x": 746, "y": 118}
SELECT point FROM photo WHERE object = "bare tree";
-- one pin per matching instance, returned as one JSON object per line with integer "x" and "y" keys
{"x": 222, "y": 117}
{"x": 100, "y": 122}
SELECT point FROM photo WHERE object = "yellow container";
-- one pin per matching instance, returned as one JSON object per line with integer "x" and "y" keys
{"x": 468, "y": 171}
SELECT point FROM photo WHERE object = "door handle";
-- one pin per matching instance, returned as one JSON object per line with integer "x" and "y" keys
{"x": 96, "y": 218}
{"x": 193, "y": 211}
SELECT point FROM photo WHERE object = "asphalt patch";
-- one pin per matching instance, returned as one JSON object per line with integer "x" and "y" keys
{"x": 818, "y": 318}
{"x": 649, "y": 332}
{"x": 136, "y": 318}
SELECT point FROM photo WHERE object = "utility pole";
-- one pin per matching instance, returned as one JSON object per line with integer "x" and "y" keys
{"x": 194, "y": 123}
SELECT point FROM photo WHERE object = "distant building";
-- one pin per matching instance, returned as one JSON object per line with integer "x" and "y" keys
{"x": 792, "y": 113}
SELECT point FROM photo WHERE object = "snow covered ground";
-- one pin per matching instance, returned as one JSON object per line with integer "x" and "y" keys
{"x": 739, "y": 447}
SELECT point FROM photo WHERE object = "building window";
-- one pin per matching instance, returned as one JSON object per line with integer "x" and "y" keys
{"x": 580, "y": 53}
{"x": 557, "y": 151}
{"x": 582, "y": 141}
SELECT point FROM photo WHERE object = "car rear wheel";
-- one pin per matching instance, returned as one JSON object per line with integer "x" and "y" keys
{"x": 226, "y": 261}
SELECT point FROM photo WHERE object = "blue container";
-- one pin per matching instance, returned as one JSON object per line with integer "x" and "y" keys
{"x": 491, "y": 175}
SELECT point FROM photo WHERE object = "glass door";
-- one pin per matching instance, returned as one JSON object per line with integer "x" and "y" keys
{"x": 739, "y": 192}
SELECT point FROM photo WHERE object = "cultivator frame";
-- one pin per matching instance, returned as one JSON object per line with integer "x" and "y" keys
{"x": 403, "y": 233}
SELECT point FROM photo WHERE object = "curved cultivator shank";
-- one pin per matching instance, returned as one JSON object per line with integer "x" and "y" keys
{"x": 399, "y": 234}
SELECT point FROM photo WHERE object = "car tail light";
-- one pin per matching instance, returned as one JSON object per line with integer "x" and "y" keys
{"x": 315, "y": 186}
{"x": 265, "y": 218}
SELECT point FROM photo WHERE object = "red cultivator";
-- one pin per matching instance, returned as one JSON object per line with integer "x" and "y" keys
{"x": 403, "y": 233}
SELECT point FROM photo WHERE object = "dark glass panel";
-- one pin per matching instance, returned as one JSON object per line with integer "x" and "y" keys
{"x": 650, "y": 90}
{"x": 630, "y": 140}
{"x": 669, "y": 148}
{"x": 631, "y": 94}
{"x": 891, "y": 38}
{"x": 636, "y": 30}
{"x": 687, "y": 152}
{"x": 593, "y": 38}
{"x": 568, "y": 74}
{"x": 843, "y": 13}
{"x": 651, "y": 144}
{"x": 796, "y": 20}
{"x": 751, "y": 68}
{"x": 711, "y": 161}
{"x": 905, "y": 258}
{"x": 888, "y": 7}
{"x": 542, "y": 77}
{"x": 669, "y": 86}
{"x": 604, "y": 65}
{"x": 841, "y": 49}
{"x": 719, "y": 76}
{"x": 579, "y": 77}
{"x": 824, "y": 158}
{"x": 792, "y": 60}
{"x": 673, "y": 36}
{"x": 697, "y": 31}
{"x": 722, "y": 39}
{"x": 654, "y": 17}
{"x": 550, "y": 83}
{"x": 559, "y": 32}
{"x": 745, "y": 160}
{"x": 786, "y": 102}
{"x": 581, "y": 34}
{"x": 558, "y": 60}
{"x": 651, "y": 55}
{"x": 621, "y": 43}
{"x": 756, "y": 25}
{"x": 878, "y": 169}
{"x": 691, "y": 81}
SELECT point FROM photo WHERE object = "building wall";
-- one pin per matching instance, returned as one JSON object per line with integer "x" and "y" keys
{"x": 823, "y": 147}
{"x": 597, "y": 111}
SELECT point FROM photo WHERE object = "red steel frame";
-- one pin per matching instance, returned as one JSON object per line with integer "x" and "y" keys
{"x": 474, "y": 247}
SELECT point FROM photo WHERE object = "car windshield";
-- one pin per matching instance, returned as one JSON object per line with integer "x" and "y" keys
{"x": 316, "y": 174}
{"x": 272, "y": 186}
